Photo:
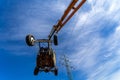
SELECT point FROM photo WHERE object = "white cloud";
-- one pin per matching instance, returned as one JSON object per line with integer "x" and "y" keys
{"x": 88, "y": 56}
{"x": 118, "y": 29}
{"x": 97, "y": 56}
{"x": 115, "y": 76}
{"x": 105, "y": 71}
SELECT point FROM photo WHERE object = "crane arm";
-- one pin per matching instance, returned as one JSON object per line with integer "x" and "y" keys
{"x": 69, "y": 17}
{"x": 62, "y": 18}
{"x": 65, "y": 18}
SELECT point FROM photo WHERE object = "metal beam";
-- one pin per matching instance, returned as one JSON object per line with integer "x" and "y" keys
{"x": 69, "y": 17}
{"x": 65, "y": 18}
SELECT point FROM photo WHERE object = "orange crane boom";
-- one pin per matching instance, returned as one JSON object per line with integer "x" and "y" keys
{"x": 65, "y": 18}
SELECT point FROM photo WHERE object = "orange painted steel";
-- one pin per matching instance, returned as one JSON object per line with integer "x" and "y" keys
{"x": 69, "y": 17}
{"x": 66, "y": 12}
{"x": 65, "y": 18}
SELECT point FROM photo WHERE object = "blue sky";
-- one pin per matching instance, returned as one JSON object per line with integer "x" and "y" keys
{"x": 90, "y": 39}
